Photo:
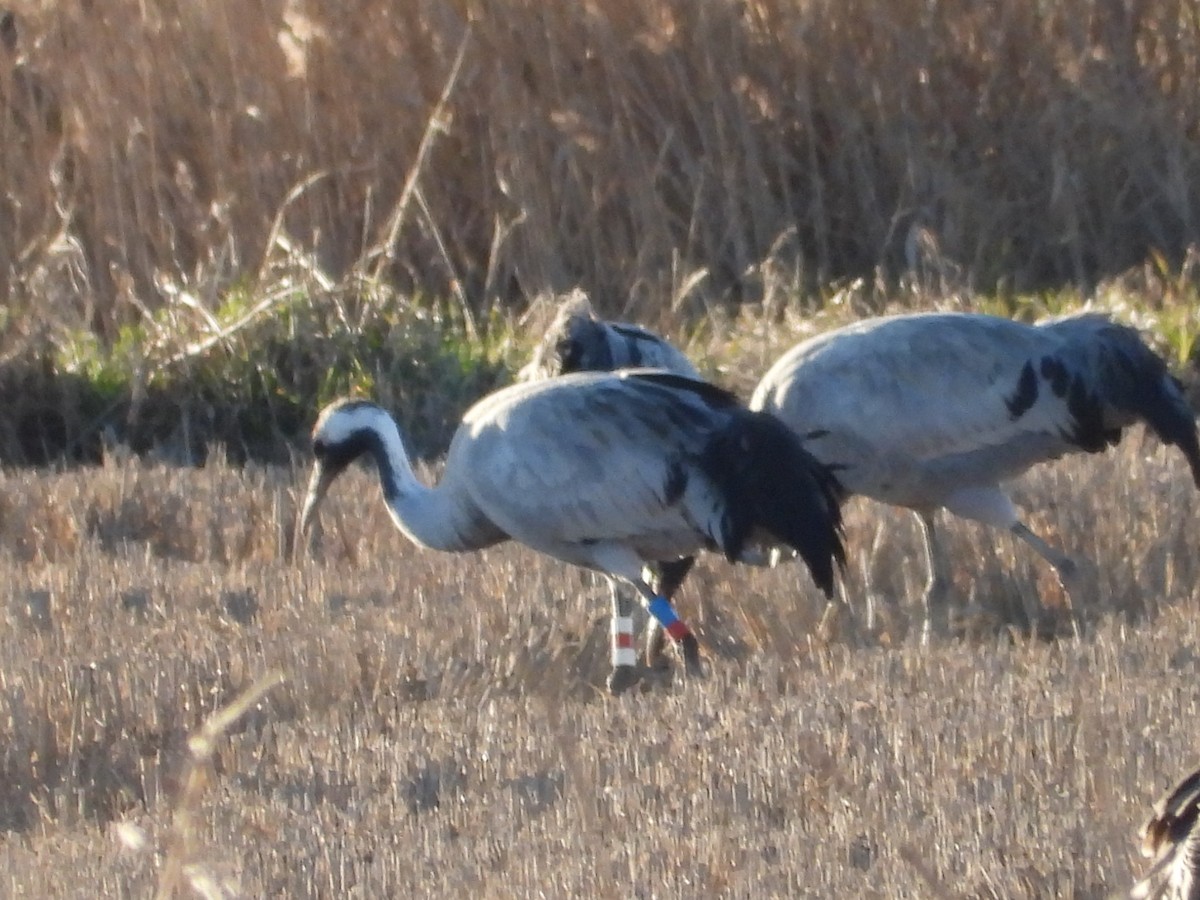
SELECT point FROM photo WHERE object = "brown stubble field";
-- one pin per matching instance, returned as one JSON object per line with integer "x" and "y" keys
{"x": 443, "y": 728}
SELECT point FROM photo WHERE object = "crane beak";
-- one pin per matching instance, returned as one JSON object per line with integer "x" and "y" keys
{"x": 322, "y": 477}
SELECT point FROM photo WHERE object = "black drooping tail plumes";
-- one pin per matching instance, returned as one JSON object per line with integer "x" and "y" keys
{"x": 1154, "y": 395}
{"x": 770, "y": 482}
{"x": 1129, "y": 377}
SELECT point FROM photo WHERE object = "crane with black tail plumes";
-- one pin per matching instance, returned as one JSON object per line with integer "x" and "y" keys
{"x": 604, "y": 471}
{"x": 932, "y": 411}
{"x": 1171, "y": 837}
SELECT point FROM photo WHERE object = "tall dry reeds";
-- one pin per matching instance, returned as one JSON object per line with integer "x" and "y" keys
{"x": 647, "y": 149}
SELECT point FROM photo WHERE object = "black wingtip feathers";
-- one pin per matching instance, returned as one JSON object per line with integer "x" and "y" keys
{"x": 772, "y": 483}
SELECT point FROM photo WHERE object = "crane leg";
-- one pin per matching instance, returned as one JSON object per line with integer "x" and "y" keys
{"x": 937, "y": 588}
{"x": 619, "y": 562}
{"x": 660, "y": 608}
{"x": 1065, "y": 567}
{"x": 669, "y": 579}
{"x": 624, "y": 658}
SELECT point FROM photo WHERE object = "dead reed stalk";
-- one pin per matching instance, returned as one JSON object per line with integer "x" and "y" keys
{"x": 182, "y": 862}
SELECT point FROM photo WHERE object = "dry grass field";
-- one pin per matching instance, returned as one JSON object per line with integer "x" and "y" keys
{"x": 443, "y": 729}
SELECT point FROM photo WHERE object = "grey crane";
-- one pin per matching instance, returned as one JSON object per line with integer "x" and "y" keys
{"x": 932, "y": 411}
{"x": 579, "y": 341}
{"x": 608, "y": 471}
{"x": 1171, "y": 837}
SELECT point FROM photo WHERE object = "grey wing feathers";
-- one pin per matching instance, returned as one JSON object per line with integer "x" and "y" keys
{"x": 917, "y": 387}
{"x": 555, "y": 457}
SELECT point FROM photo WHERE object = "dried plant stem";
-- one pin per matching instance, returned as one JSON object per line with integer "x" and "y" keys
{"x": 381, "y": 254}
{"x": 182, "y": 839}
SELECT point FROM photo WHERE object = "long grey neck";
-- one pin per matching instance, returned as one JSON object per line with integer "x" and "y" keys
{"x": 435, "y": 517}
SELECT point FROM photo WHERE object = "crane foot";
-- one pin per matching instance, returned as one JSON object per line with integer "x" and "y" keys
{"x": 621, "y": 679}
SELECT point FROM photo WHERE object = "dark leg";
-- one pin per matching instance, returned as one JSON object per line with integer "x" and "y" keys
{"x": 1066, "y": 569}
{"x": 670, "y": 577}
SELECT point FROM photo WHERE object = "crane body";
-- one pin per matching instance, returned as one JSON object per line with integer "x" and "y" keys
{"x": 609, "y": 472}
{"x": 933, "y": 411}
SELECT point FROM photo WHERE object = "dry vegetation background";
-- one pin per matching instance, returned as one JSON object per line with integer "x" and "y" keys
{"x": 215, "y": 214}
{"x": 654, "y": 151}
{"x": 625, "y": 145}
{"x": 207, "y": 207}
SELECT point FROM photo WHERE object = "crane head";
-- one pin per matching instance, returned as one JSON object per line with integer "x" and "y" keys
{"x": 344, "y": 431}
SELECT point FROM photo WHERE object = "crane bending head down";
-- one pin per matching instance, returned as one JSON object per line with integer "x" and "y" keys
{"x": 1171, "y": 837}
{"x": 604, "y": 471}
{"x": 579, "y": 341}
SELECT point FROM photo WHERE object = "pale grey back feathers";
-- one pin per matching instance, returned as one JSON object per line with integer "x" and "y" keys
{"x": 918, "y": 405}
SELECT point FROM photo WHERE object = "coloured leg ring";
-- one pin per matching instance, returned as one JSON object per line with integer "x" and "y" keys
{"x": 623, "y": 653}
{"x": 661, "y": 609}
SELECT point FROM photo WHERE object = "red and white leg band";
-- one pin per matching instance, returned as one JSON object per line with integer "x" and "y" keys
{"x": 623, "y": 653}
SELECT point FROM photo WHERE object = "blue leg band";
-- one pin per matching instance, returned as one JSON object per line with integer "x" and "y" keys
{"x": 660, "y": 608}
